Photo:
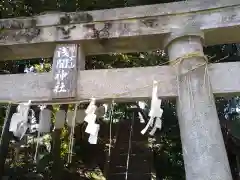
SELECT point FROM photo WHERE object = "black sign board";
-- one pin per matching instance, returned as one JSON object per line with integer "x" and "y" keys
{"x": 64, "y": 71}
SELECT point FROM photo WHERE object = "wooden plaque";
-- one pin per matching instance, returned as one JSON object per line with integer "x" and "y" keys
{"x": 64, "y": 71}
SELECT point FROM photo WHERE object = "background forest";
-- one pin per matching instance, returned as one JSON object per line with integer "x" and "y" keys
{"x": 167, "y": 162}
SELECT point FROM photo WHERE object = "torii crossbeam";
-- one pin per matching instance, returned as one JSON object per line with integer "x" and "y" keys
{"x": 127, "y": 84}
{"x": 131, "y": 29}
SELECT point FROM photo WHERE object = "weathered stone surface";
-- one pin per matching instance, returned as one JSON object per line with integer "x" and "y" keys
{"x": 132, "y": 29}
{"x": 203, "y": 147}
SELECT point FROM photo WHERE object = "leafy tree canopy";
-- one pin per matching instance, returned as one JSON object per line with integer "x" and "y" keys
{"x": 167, "y": 149}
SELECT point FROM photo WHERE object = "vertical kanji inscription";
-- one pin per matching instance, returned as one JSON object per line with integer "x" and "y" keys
{"x": 64, "y": 71}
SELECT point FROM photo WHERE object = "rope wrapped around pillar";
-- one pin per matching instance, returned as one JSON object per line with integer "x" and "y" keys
{"x": 204, "y": 152}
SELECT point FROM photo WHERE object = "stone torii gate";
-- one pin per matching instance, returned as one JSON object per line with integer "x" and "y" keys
{"x": 180, "y": 27}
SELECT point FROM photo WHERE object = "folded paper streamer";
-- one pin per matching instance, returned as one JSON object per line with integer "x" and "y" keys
{"x": 100, "y": 111}
{"x": 16, "y": 118}
{"x": 21, "y": 129}
{"x": 45, "y": 121}
{"x": 93, "y": 138}
{"x": 19, "y": 120}
{"x": 60, "y": 119}
{"x": 90, "y": 118}
{"x": 155, "y": 111}
{"x": 69, "y": 119}
{"x": 79, "y": 117}
{"x": 157, "y": 125}
{"x": 142, "y": 105}
{"x": 32, "y": 122}
{"x": 106, "y": 107}
{"x": 92, "y": 127}
{"x": 91, "y": 107}
{"x": 141, "y": 118}
{"x": 44, "y": 126}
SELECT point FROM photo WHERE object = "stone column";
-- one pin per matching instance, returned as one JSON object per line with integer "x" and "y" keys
{"x": 204, "y": 152}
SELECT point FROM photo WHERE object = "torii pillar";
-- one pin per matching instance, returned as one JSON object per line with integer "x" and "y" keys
{"x": 204, "y": 152}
